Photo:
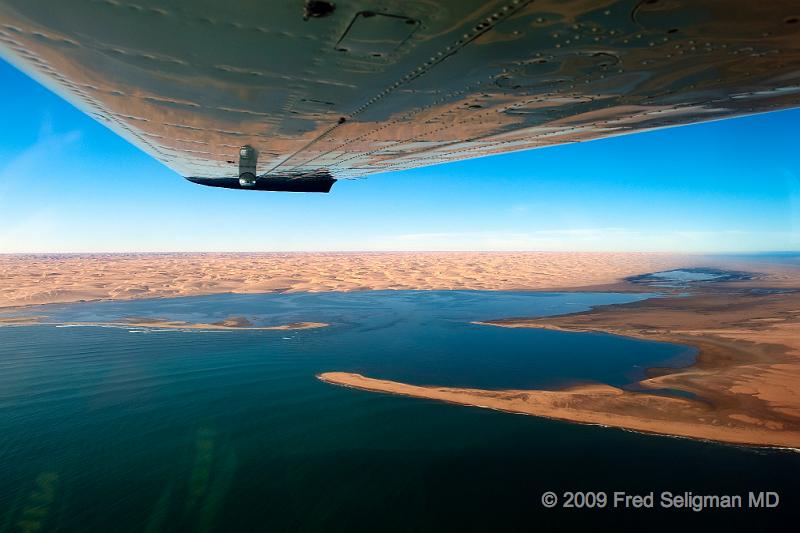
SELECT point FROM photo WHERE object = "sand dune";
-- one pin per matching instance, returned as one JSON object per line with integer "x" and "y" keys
{"x": 41, "y": 279}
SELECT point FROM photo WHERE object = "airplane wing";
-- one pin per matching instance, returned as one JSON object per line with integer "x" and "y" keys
{"x": 292, "y": 95}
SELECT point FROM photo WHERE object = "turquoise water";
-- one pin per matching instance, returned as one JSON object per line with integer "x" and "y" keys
{"x": 125, "y": 429}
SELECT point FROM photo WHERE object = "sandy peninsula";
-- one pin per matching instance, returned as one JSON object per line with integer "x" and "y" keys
{"x": 42, "y": 279}
{"x": 744, "y": 385}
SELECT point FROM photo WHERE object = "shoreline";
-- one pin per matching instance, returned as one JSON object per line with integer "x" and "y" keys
{"x": 330, "y": 378}
{"x": 504, "y": 401}
{"x": 744, "y": 379}
{"x": 545, "y": 404}
{"x": 620, "y": 288}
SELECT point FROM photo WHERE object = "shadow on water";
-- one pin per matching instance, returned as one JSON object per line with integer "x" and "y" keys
{"x": 33, "y": 509}
{"x": 196, "y": 507}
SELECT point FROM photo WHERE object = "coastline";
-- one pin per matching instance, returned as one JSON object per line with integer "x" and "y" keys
{"x": 743, "y": 386}
{"x": 571, "y": 405}
{"x": 744, "y": 380}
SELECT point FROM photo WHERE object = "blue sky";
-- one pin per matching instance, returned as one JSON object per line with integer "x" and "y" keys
{"x": 68, "y": 184}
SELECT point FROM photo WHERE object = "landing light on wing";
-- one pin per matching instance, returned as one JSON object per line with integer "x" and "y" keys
{"x": 320, "y": 181}
{"x": 248, "y": 158}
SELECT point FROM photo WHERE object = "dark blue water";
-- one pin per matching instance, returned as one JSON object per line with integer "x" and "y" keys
{"x": 125, "y": 429}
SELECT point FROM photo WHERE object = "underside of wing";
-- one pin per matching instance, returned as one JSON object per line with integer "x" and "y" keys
{"x": 314, "y": 91}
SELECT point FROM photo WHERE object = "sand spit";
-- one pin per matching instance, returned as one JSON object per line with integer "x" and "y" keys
{"x": 42, "y": 279}
{"x": 595, "y": 404}
{"x": 232, "y": 323}
{"x": 20, "y": 320}
{"x": 229, "y": 324}
{"x": 746, "y": 378}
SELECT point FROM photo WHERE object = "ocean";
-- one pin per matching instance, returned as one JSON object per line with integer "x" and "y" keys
{"x": 140, "y": 429}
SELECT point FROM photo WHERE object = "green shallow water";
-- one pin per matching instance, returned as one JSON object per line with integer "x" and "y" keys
{"x": 124, "y": 429}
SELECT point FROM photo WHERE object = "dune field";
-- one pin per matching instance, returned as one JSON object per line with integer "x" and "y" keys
{"x": 42, "y": 279}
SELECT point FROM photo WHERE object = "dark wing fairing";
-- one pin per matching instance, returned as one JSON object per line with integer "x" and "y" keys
{"x": 359, "y": 87}
{"x": 321, "y": 182}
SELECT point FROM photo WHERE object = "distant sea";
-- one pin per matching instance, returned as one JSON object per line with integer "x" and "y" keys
{"x": 108, "y": 429}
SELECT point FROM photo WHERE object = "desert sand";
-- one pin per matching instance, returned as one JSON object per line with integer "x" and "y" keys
{"x": 745, "y": 381}
{"x": 41, "y": 279}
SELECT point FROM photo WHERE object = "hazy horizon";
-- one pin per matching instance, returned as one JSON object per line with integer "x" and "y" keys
{"x": 765, "y": 253}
